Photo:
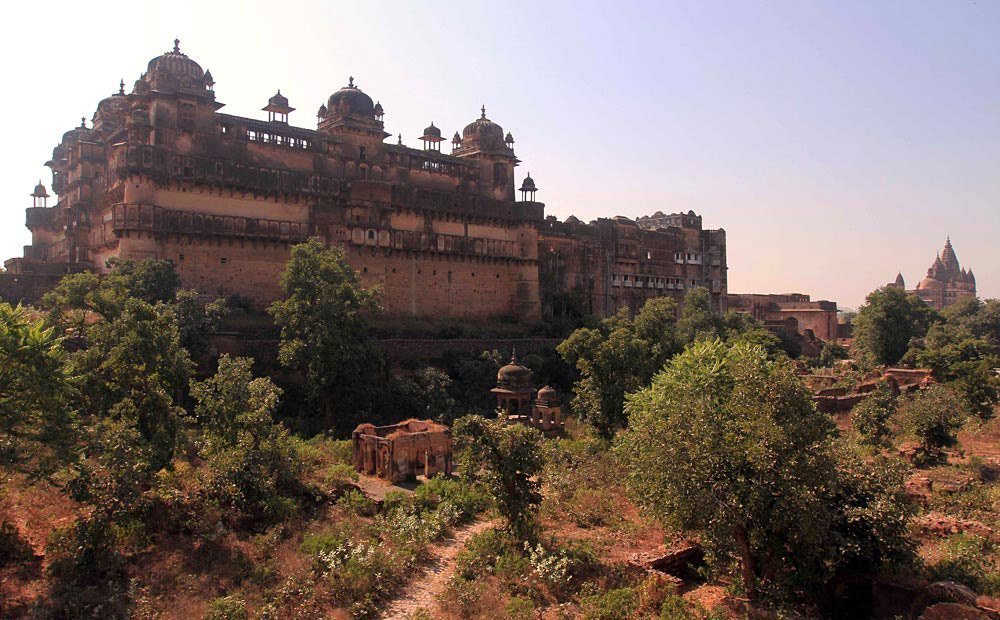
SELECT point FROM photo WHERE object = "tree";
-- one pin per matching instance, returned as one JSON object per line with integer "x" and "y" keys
{"x": 151, "y": 280}
{"x": 251, "y": 462}
{"x": 197, "y": 320}
{"x": 325, "y": 333}
{"x": 963, "y": 350}
{"x": 37, "y": 424}
{"x": 133, "y": 370}
{"x": 697, "y": 321}
{"x": 610, "y": 365}
{"x": 727, "y": 442}
{"x": 872, "y": 415}
{"x": 934, "y": 416}
{"x": 887, "y": 322}
{"x": 506, "y": 459}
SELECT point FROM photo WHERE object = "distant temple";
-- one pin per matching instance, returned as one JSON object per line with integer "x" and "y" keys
{"x": 946, "y": 281}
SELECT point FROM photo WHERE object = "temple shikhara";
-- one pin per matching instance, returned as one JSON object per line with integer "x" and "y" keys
{"x": 161, "y": 172}
{"x": 946, "y": 282}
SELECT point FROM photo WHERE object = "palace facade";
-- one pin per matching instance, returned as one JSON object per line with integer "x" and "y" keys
{"x": 161, "y": 173}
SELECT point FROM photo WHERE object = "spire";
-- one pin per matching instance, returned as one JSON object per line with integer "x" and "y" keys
{"x": 484, "y": 112}
{"x": 350, "y": 81}
{"x": 177, "y": 46}
{"x": 121, "y": 87}
{"x": 400, "y": 142}
{"x": 899, "y": 280}
{"x": 513, "y": 355}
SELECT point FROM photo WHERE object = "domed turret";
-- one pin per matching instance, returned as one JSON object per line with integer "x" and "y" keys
{"x": 277, "y": 108}
{"x": 432, "y": 138}
{"x": 528, "y": 189}
{"x": 40, "y": 197}
{"x": 513, "y": 375}
{"x": 484, "y": 134}
{"x": 379, "y": 112}
{"x": 176, "y": 64}
{"x": 351, "y": 100}
{"x": 174, "y": 71}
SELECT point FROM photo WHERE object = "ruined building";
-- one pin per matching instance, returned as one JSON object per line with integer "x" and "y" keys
{"x": 794, "y": 312}
{"x": 402, "y": 451}
{"x": 946, "y": 281}
{"x": 162, "y": 173}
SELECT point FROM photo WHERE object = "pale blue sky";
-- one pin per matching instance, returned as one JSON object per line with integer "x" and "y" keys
{"x": 835, "y": 142}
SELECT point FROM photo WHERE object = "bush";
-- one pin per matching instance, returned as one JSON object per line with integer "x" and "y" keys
{"x": 13, "y": 548}
{"x": 934, "y": 416}
{"x": 467, "y": 499}
{"x": 519, "y": 608}
{"x": 87, "y": 571}
{"x": 482, "y": 552}
{"x": 969, "y": 561}
{"x": 871, "y": 416}
{"x": 356, "y": 503}
{"x": 227, "y": 608}
{"x": 616, "y": 604}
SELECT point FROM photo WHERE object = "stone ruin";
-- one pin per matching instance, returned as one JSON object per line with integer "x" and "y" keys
{"x": 403, "y": 451}
{"x": 831, "y": 399}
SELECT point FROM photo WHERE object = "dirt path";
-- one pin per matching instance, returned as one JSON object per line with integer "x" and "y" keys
{"x": 423, "y": 589}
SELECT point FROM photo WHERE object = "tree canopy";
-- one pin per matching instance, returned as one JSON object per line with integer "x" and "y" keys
{"x": 886, "y": 324}
{"x": 727, "y": 442}
{"x": 325, "y": 334}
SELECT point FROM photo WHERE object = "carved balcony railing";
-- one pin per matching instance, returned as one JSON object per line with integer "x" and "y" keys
{"x": 157, "y": 220}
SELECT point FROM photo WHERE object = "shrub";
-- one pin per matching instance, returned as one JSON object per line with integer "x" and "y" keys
{"x": 356, "y": 503}
{"x": 482, "y": 552}
{"x": 676, "y": 608}
{"x": 871, "y": 416}
{"x": 519, "y": 608}
{"x": 13, "y": 548}
{"x": 616, "y": 604}
{"x": 87, "y": 571}
{"x": 227, "y": 608}
{"x": 967, "y": 560}
{"x": 362, "y": 574}
{"x": 934, "y": 416}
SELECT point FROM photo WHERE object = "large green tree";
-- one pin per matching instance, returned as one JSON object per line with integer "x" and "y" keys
{"x": 963, "y": 350}
{"x": 726, "y": 442}
{"x": 325, "y": 334}
{"x": 250, "y": 462}
{"x": 886, "y": 324}
{"x": 134, "y": 370}
{"x": 507, "y": 459}
{"x": 37, "y": 423}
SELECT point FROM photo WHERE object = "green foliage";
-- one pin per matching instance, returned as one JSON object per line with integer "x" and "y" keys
{"x": 870, "y": 513}
{"x": 197, "y": 320}
{"x": 697, "y": 321}
{"x": 969, "y": 560}
{"x": 830, "y": 354}
{"x": 727, "y": 442}
{"x": 227, "y": 608}
{"x": 325, "y": 333}
{"x": 963, "y": 350}
{"x": 872, "y": 416}
{"x": 934, "y": 416}
{"x": 506, "y": 460}
{"x": 86, "y": 570}
{"x": 356, "y": 503}
{"x": 425, "y": 395}
{"x": 251, "y": 465}
{"x": 37, "y": 424}
{"x": 150, "y": 280}
{"x": 614, "y": 604}
{"x": 887, "y": 322}
{"x": 132, "y": 370}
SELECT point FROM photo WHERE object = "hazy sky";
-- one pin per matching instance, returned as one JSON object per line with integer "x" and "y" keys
{"x": 836, "y": 143}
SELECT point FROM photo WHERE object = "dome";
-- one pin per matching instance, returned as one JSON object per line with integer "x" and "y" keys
{"x": 929, "y": 283}
{"x": 40, "y": 191}
{"x": 351, "y": 100}
{"x": 278, "y": 100}
{"x": 513, "y": 375}
{"x": 175, "y": 64}
{"x": 432, "y": 131}
{"x": 484, "y": 130}
{"x": 529, "y": 184}
{"x": 548, "y": 393}
{"x": 378, "y": 109}
{"x": 572, "y": 220}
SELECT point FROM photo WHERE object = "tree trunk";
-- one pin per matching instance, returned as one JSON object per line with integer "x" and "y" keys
{"x": 746, "y": 561}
